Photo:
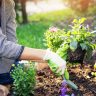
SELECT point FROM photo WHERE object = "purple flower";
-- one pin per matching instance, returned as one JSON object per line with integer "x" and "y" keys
{"x": 63, "y": 91}
{"x": 63, "y": 88}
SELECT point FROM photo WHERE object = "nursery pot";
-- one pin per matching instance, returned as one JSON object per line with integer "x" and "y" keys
{"x": 77, "y": 55}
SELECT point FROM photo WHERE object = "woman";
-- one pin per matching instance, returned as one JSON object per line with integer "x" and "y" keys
{"x": 10, "y": 51}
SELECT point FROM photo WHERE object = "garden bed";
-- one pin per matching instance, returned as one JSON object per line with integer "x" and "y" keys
{"x": 49, "y": 85}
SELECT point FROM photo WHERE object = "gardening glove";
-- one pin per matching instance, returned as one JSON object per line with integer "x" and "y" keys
{"x": 55, "y": 62}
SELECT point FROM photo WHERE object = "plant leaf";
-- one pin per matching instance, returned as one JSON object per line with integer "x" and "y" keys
{"x": 73, "y": 45}
{"x": 66, "y": 74}
{"x": 75, "y": 21}
{"x": 82, "y": 20}
{"x": 83, "y": 46}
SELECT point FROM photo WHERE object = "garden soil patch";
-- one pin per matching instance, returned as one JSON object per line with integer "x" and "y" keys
{"x": 49, "y": 85}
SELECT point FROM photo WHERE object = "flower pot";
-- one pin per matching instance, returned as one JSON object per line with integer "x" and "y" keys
{"x": 76, "y": 56}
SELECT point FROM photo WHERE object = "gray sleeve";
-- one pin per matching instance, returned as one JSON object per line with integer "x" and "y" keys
{"x": 9, "y": 49}
{"x": 11, "y": 25}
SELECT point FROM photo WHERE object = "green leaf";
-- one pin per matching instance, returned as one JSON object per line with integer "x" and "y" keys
{"x": 60, "y": 52}
{"x": 66, "y": 74}
{"x": 83, "y": 46}
{"x": 75, "y": 21}
{"x": 65, "y": 56}
{"x": 73, "y": 45}
{"x": 82, "y": 20}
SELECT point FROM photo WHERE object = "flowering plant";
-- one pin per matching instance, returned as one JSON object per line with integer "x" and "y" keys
{"x": 64, "y": 89}
{"x": 78, "y": 38}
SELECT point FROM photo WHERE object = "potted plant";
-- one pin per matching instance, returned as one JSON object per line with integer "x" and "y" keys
{"x": 72, "y": 45}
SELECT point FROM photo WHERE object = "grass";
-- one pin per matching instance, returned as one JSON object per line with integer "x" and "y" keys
{"x": 52, "y": 16}
{"x": 32, "y": 34}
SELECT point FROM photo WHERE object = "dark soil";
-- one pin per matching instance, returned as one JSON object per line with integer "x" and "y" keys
{"x": 49, "y": 85}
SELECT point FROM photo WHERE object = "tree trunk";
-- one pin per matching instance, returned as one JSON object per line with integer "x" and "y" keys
{"x": 17, "y": 9}
{"x": 24, "y": 13}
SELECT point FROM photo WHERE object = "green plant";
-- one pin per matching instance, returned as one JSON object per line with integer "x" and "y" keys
{"x": 24, "y": 80}
{"x": 77, "y": 38}
{"x": 53, "y": 39}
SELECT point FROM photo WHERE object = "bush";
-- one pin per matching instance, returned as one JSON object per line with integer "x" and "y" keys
{"x": 24, "y": 80}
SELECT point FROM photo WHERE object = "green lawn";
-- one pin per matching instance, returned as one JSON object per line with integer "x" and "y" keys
{"x": 32, "y": 34}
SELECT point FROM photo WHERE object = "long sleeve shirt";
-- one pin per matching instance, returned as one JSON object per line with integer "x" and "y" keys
{"x": 10, "y": 51}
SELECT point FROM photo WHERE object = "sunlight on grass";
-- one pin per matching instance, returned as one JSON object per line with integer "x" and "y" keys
{"x": 52, "y": 16}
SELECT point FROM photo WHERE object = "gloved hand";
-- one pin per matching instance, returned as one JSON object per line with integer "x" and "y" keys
{"x": 60, "y": 64}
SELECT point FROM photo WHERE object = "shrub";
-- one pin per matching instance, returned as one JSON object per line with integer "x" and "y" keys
{"x": 24, "y": 80}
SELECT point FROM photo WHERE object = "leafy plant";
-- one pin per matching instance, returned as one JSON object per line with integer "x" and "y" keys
{"x": 53, "y": 38}
{"x": 77, "y": 37}
{"x": 24, "y": 80}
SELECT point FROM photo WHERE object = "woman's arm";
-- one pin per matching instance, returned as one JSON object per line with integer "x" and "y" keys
{"x": 32, "y": 54}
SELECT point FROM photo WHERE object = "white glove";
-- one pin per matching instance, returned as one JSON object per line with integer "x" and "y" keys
{"x": 56, "y": 59}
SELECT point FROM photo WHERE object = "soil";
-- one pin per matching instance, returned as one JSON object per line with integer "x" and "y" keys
{"x": 49, "y": 85}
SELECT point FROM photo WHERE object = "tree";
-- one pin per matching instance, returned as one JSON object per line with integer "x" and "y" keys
{"x": 17, "y": 9}
{"x": 80, "y": 5}
{"x": 23, "y": 9}
{"x": 20, "y": 7}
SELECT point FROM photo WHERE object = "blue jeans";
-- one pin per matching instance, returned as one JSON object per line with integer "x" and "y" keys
{"x": 6, "y": 78}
